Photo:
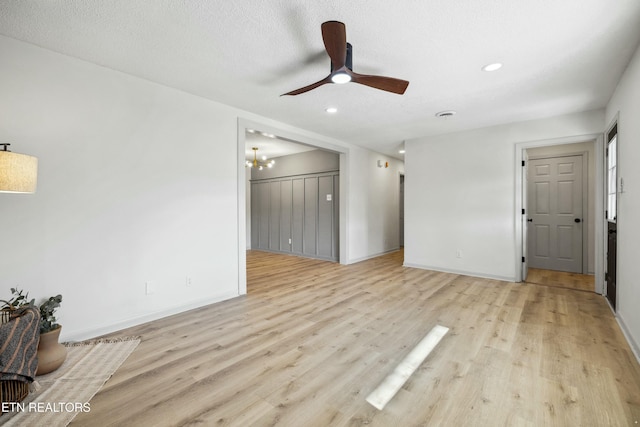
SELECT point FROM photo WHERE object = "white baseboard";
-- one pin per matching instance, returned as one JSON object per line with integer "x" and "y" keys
{"x": 80, "y": 335}
{"x": 376, "y": 255}
{"x": 461, "y": 272}
{"x": 627, "y": 334}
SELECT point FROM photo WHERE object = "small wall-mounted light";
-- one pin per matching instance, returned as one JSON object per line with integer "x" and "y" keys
{"x": 383, "y": 164}
{"x": 18, "y": 172}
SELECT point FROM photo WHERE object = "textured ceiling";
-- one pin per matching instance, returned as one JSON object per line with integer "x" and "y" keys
{"x": 559, "y": 56}
{"x": 271, "y": 146}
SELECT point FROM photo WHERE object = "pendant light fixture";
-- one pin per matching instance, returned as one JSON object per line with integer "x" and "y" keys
{"x": 258, "y": 164}
{"x": 18, "y": 172}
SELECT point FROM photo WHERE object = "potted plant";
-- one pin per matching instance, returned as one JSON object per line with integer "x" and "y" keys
{"x": 47, "y": 312}
{"x": 18, "y": 300}
{"x": 51, "y": 354}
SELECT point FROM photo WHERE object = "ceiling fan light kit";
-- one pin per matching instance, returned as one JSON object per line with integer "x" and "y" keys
{"x": 341, "y": 78}
{"x": 334, "y": 36}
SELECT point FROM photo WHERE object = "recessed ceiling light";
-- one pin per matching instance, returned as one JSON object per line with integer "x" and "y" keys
{"x": 401, "y": 151}
{"x": 331, "y": 110}
{"x": 251, "y": 131}
{"x": 492, "y": 67}
{"x": 445, "y": 114}
{"x": 268, "y": 135}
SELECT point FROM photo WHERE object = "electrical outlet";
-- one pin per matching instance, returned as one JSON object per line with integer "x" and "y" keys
{"x": 148, "y": 288}
{"x": 289, "y": 241}
{"x": 458, "y": 253}
{"x": 188, "y": 281}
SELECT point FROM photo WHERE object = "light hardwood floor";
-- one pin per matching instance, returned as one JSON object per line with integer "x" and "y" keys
{"x": 561, "y": 279}
{"x": 312, "y": 339}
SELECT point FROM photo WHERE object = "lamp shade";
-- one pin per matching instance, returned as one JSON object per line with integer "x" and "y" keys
{"x": 18, "y": 173}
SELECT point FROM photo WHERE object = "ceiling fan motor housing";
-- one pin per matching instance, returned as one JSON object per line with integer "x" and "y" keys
{"x": 349, "y": 58}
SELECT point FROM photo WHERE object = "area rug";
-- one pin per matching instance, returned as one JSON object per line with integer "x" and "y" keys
{"x": 62, "y": 394}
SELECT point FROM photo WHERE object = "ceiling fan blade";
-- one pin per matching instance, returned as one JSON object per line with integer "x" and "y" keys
{"x": 379, "y": 82}
{"x": 334, "y": 36}
{"x": 310, "y": 87}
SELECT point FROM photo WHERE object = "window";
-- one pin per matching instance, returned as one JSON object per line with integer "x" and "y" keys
{"x": 612, "y": 175}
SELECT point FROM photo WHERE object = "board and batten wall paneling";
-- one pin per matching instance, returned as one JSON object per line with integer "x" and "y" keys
{"x": 297, "y": 223}
{"x": 274, "y": 216}
{"x": 286, "y": 198}
{"x": 297, "y": 215}
{"x": 263, "y": 220}
{"x": 310, "y": 216}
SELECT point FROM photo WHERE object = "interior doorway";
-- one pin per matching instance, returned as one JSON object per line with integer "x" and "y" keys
{"x": 612, "y": 214}
{"x": 593, "y": 215}
{"x": 401, "y": 216}
{"x": 338, "y": 194}
{"x": 293, "y": 196}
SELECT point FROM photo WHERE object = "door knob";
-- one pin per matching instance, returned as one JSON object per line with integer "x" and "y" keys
{"x": 577, "y": 220}
{"x": 530, "y": 220}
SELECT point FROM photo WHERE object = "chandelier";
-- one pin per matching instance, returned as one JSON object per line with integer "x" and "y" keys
{"x": 259, "y": 164}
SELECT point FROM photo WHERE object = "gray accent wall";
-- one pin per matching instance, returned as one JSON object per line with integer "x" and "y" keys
{"x": 299, "y": 164}
{"x": 297, "y": 213}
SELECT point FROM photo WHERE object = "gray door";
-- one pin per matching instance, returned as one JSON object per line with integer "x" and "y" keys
{"x": 555, "y": 193}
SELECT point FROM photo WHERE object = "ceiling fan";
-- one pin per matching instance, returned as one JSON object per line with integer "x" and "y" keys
{"x": 334, "y": 36}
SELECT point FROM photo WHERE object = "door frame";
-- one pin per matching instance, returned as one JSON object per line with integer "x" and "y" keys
{"x": 584, "y": 155}
{"x": 401, "y": 181}
{"x": 520, "y": 147}
{"x": 614, "y": 122}
{"x": 242, "y": 125}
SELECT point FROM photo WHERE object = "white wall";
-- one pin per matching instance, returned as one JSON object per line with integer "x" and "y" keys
{"x": 126, "y": 192}
{"x": 590, "y": 217}
{"x": 626, "y": 102}
{"x": 460, "y": 194}
{"x": 137, "y": 183}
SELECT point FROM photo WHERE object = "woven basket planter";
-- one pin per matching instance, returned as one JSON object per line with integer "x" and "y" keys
{"x": 13, "y": 391}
